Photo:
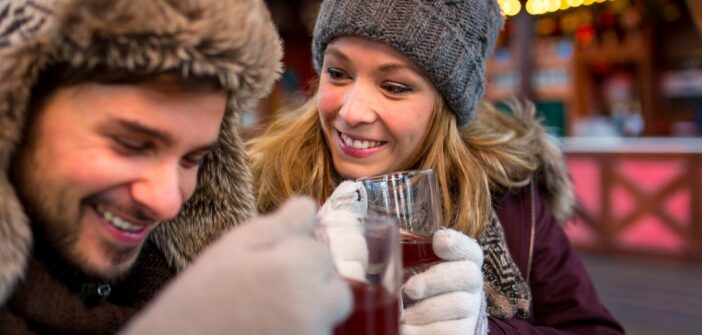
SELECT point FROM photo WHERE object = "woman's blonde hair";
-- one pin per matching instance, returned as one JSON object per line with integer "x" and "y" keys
{"x": 493, "y": 153}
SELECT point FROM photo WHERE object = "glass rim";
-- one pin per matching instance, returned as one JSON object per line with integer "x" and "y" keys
{"x": 370, "y": 218}
{"x": 392, "y": 175}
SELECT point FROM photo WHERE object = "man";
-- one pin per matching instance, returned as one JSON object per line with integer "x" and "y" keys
{"x": 122, "y": 161}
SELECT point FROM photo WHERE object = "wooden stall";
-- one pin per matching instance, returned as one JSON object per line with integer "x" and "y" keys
{"x": 638, "y": 196}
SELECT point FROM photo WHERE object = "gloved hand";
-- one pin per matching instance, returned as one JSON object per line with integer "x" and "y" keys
{"x": 267, "y": 276}
{"x": 450, "y": 294}
{"x": 349, "y": 197}
{"x": 344, "y": 207}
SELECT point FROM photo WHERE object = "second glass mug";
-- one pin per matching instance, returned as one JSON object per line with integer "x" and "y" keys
{"x": 366, "y": 251}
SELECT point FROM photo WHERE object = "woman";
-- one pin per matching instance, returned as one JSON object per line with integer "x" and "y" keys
{"x": 399, "y": 89}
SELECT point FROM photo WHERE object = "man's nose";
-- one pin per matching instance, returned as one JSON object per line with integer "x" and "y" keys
{"x": 359, "y": 105}
{"x": 159, "y": 191}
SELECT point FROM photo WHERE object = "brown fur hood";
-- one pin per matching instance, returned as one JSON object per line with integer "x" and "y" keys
{"x": 232, "y": 39}
{"x": 531, "y": 139}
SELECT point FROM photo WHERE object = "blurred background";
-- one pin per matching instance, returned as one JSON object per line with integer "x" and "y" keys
{"x": 619, "y": 85}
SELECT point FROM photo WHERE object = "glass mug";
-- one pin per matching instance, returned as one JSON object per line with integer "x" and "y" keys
{"x": 412, "y": 198}
{"x": 366, "y": 251}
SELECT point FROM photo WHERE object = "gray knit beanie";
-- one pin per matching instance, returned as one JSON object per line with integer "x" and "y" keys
{"x": 448, "y": 39}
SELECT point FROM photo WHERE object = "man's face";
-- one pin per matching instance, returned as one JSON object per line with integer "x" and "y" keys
{"x": 105, "y": 164}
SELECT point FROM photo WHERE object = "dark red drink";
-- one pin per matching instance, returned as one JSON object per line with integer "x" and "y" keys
{"x": 417, "y": 251}
{"x": 375, "y": 312}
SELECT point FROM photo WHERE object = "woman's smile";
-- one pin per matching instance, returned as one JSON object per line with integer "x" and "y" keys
{"x": 374, "y": 105}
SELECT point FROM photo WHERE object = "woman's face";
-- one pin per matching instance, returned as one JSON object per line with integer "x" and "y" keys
{"x": 374, "y": 105}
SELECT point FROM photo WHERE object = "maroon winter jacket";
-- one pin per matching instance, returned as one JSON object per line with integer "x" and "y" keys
{"x": 564, "y": 300}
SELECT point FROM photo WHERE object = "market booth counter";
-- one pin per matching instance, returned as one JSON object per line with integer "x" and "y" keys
{"x": 637, "y": 195}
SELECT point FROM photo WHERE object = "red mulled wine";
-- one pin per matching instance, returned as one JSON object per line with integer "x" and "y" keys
{"x": 417, "y": 251}
{"x": 375, "y": 312}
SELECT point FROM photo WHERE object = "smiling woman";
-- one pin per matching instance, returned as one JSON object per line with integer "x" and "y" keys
{"x": 375, "y": 107}
{"x": 400, "y": 84}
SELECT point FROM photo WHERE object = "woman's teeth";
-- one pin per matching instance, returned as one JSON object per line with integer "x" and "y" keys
{"x": 118, "y": 222}
{"x": 357, "y": 144}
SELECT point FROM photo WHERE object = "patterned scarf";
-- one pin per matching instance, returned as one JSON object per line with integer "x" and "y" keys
{"x": 507, "y": 292}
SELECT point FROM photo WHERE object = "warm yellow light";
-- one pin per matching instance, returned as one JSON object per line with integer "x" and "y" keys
{"x": 511, "y": 7}
{"x": 575, "y": 3}
{"x": 538, "y": 7}
{"x": 564, "y": 5}
{"x": 543, "y": 6}
{"x": 547, "y": 6}
{"x": 588, "y": 2}
{"x": 529, "y": 6}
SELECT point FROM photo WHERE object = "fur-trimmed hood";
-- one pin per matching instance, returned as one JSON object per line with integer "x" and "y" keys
{"x": 234, "y": 40}
{"x": 551, "y": 176}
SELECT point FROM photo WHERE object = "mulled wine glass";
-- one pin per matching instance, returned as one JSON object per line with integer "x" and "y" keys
{"x": 366, "y": 251}
{"x": 412, "y": 198}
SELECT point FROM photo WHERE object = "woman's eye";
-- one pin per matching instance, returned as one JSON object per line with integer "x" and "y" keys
{"x": 335, "y": 73}
{"x": 397, "y": 88}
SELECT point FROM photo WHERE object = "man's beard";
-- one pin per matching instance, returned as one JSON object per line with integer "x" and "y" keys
{"x": 55, "y": 211}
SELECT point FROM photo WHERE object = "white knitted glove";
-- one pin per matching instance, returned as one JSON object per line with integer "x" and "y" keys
{"x": 450, "y": 294}
{"x": 344, "y": 207}
{"x": 349, "y": 197}
{"x": 268, "y": 276}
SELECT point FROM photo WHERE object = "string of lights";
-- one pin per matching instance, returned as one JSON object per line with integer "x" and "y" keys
{"x": 538, "y": 7}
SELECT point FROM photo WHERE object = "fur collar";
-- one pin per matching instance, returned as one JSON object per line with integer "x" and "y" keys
{"x": 552, "y": 175}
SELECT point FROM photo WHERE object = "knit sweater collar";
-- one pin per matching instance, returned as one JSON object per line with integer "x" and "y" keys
{"x": 56, "y": 298}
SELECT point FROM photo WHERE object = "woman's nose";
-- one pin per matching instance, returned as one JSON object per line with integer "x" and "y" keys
{"x": 359, "y": 105}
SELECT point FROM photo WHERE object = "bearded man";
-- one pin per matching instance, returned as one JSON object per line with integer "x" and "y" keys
{"x": 121, "y": 162}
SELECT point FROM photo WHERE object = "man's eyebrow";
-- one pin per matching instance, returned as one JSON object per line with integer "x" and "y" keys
{"x": 161, "y": 136}
{"x": 210, "y": 147}
{"x": 136, "y": 127}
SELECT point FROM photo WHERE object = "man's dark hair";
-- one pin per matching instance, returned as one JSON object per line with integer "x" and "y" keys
{"x": 62, "y": 75}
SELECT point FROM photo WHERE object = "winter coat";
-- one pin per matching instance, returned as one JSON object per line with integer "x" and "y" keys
{"x": 535, "y": 281}
{"x": 563, "y": 298}
{"x": 55, "y": 298}
{"x": 232, "y": 40}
